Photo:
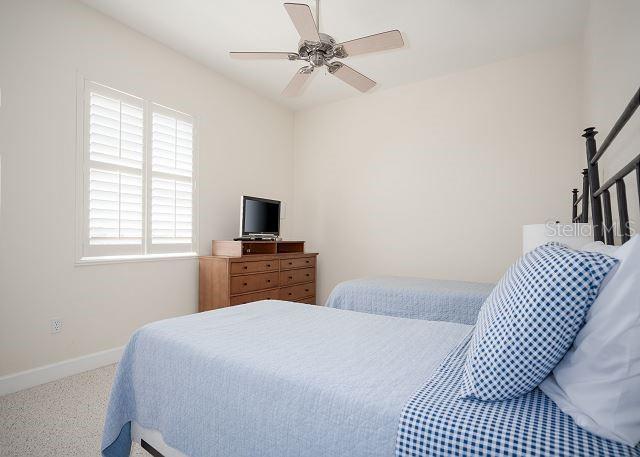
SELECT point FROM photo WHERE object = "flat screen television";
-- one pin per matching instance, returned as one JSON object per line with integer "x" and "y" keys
{"x": 259, "y": 216}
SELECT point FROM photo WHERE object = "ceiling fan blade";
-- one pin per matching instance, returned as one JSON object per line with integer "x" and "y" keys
{"x": 302, "y": 19}
{"x": 351, "y": 77}
{"x": 263, "y": 55}
{"x": 298, "y": 83}
{"x": 372, "y": 43}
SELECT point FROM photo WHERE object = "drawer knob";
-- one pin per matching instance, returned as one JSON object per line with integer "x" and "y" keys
{"x": 244, "y": 267}
{"x": 307, "y": 261}
{"x": 308, "y": 274}
{"x": 290, "y": 293}
{"x": 268, "y": 280}
{"x": 306, "y": 290}
{"x": 268, "y": 265}
{"x": 290, "y": 263}
{"x": 290, "y": 277}
{"x": 244, "y": 283}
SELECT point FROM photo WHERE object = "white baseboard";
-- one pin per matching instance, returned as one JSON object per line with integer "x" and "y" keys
{"x": 41, "y": 375}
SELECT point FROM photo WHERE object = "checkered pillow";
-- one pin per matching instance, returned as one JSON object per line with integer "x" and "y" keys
{"x": 530, "y": 320}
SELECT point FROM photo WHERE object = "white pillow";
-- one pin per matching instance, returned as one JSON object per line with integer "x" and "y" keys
{"x": 601, "y": 248}
{"x": 597, "y": 382}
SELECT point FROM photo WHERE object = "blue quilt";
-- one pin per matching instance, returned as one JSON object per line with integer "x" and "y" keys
{"x": 435, "y": 422}
{"x": 413, "y": 298}
{"x": 274, "y": 379}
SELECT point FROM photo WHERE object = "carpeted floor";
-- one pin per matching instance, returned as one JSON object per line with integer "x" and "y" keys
{"x": 61, "y": 418}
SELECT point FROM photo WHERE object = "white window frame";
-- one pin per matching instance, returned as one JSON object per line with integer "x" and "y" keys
{"x": 87, "y": 254}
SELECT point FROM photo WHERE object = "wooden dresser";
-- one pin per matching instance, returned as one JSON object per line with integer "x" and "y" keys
{"x": 244, "y": 271}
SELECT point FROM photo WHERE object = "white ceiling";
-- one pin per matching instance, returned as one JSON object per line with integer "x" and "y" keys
{"x": 441, "y": 36}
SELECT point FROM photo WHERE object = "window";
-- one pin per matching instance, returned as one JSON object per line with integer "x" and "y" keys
{"x": 138, "y": 176}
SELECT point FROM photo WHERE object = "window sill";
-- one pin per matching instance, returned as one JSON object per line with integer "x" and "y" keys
{"x": 134, "y": 258}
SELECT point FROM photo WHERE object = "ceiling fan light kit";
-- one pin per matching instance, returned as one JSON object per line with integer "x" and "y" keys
{"x": 319, "y": 49}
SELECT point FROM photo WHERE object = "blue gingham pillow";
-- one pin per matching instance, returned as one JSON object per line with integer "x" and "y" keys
{"x": 530, "y": 320}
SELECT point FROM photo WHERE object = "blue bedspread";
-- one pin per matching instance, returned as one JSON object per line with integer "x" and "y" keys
{"x": 413, "y": 298}
{"x": 435, "y": 422}
{"x": 274, "y": 378}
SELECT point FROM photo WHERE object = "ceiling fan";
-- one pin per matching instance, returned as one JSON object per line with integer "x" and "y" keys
{"x": 318, "y": 49}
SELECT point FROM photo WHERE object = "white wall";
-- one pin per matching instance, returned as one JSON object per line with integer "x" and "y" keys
{"x": 435, "y": 179}
{"x": 245, "y": 146}
{"x": 612, "y": 76}
{"x": 432, "y": 179}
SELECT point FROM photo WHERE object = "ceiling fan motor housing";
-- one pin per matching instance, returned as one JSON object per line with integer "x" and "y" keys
{"x": 317, "y": 53}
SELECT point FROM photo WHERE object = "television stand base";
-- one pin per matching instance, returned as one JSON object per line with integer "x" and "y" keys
{"x": 238, "y": 248}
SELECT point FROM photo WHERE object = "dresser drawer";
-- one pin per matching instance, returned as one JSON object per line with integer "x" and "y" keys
{"x": 297, "y": 276}
{"x": 294, "y": 293}
{"x": 300, "y": 262}
{"x": 238, "y": 268}
{"x": 249, "y": 283}
{"x": 255, "y": 296}
{"x": 308, "y": 300}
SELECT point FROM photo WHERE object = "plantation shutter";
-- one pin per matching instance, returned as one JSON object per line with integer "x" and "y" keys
{"x": 115, "y": 172}
{"x": 138, "y": 177}
{"x": 171, "y": 180}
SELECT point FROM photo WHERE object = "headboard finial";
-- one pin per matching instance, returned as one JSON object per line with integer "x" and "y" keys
{"x": 590, "y": 132}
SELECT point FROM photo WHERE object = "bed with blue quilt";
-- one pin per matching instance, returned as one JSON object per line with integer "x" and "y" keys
{"x": 414, "y": 298}
{"x": 276, "y": 378}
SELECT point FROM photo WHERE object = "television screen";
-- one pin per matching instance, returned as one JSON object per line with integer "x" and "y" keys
{"x": 260, "y": 215}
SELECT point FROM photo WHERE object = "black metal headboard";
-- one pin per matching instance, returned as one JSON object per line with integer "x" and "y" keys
{"x": 597, "y": 195}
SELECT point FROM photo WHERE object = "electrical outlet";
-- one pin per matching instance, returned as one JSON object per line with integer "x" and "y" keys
{"x": 56, "y": 325}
